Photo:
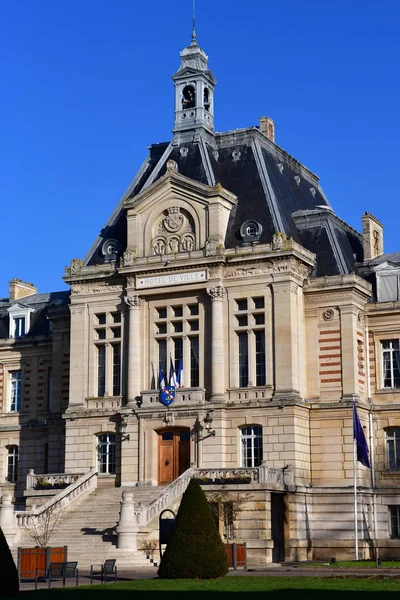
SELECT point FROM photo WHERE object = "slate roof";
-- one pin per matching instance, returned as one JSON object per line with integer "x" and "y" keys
{"x": 271, "y": 187}
{"x": 41, "y": 303}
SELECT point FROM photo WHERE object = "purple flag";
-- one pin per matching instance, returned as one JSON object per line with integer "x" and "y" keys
{"x": 358, "y": 434}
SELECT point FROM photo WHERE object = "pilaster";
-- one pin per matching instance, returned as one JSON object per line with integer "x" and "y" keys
{"x": 217, "y": 295}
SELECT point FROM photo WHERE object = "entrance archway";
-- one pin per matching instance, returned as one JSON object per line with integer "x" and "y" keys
{"x": 173, "y": 453}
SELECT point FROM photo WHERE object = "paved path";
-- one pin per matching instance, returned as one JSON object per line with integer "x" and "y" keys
{"x": 273, "y": 571}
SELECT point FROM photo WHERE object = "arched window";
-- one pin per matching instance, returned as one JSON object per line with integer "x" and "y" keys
{"x": 12, "y": 463}
{"x": 393, "y": 448}
{"x": 207, "y": 99}
{"x": 251, "y": 446}
{"x": 106, "y": 453}
{"x": 188, "y": 97}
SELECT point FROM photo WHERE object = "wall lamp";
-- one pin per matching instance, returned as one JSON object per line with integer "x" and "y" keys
{"x": 208, "y": 422}
{"x": 122, "y": 425}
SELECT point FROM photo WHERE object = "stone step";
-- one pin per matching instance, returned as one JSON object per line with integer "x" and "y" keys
{"x": 88, "y": 528}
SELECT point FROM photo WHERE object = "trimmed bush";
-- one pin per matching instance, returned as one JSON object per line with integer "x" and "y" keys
{"x": 9, "y": 583}
{"x": 196, "y": 550}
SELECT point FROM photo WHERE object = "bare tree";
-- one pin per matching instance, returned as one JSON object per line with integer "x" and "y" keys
{"x": 226, "y": 505}
{"x": 42, "y": 527}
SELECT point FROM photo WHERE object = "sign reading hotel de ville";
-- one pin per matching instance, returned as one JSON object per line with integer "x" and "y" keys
{"x": 171, "y": 279}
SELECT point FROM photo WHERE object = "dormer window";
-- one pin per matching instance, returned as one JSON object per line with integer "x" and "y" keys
{"x": 387, "y": 282}
{"x": 20, "y": 319}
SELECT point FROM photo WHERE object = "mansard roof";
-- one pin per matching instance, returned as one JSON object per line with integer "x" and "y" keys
{"x": 272, "y": 187}
{"x": 39, "y": 304}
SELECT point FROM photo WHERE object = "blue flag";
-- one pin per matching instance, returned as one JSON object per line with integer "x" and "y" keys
{"x": 358, "y": 434}
{"x": 162, "y": 378}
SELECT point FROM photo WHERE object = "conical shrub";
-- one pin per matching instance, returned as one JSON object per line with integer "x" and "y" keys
{"x": 195, "y": 550}
{"x": 9, "y": 582}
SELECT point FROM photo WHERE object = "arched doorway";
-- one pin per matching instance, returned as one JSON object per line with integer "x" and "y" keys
{"x": 173, "y": 453}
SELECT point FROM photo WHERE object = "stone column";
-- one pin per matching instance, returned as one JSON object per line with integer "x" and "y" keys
{"x": 127, "y": 529}
{"x": 8, "y": 522}
{"x": 217, "y": 295}
{"x": 134, "y": 372}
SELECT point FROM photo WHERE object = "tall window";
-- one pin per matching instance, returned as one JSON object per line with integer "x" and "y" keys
{"x": 101, "y": 370}
{"x": 260, "y": 357}
{"x": 194, "y": 362}
{"x": 177, "y": 337}
{"x": 252, "y": 446}
{"x": 116, "y": 369}
{"x": 243, "y": 360}
{"x": 393, "y": 448}
{"x": 12, "y": 463}
{"x": 162, "y": 357}
{"x": 394, "y": 513}
{"x": 15, "y": 391}
{"x": 249, "y": 323}
{"x": 106, "y": 453}
{"x": 391, "y": 363}
{"x": 107, "y": 339}
{"x": 19, "y": 324}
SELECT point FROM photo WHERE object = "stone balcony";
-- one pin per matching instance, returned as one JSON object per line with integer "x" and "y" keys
{"x": 185, "y": 397}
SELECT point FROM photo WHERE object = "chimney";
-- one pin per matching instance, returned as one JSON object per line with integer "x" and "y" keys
{"x": 19, "y": 289}
{"x": 267, "y": 127}
{"x": 372, "y": 231}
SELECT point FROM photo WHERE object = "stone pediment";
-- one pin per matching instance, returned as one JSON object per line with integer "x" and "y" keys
{"x": 177, "y": 214}
{"x": 387, "y": 266}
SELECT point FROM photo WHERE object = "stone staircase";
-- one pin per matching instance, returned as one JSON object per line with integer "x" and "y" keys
{"x": 88, "y": 529}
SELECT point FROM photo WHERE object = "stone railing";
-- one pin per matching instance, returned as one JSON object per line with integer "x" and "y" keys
{"x": 133, "y": 516}
{"x": 106, "y": 403}
{"x": 63, "y": 499}
{"x": 227, "y": 476}
{"x": 184, "y": 397}
{"x": 144, "y": 514}
{"x": 282, "y": 476}
{"x": 51, "y": 481}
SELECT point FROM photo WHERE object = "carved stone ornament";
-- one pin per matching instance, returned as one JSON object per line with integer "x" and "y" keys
{"x": 169, "y": 418}
{"x": 129, "y": 257}
{"x": 216, "y": 293}
{"x": 95, "y": 288}
{"x": 172, "y": 166}
{"x": 328, "y": 314}
{"x": 134, "y": 302}
{"x": 278, "y": 241}
{"x": 76, "y": 266}
{"x": 175, "y": 232}
{"x": 211, "y": 247}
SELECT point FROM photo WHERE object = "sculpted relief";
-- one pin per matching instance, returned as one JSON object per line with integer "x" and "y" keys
{"x": 175, "y": 232}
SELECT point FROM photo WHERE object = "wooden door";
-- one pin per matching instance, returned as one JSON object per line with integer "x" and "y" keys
{"x": 173, "y": 454}
{"x": 278, "y": 527}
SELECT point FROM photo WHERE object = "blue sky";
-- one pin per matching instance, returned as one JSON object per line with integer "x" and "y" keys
{"x": 86, "y": 88}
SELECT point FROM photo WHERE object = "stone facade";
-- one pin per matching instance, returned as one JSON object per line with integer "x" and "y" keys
{"x": 273, "y": 355}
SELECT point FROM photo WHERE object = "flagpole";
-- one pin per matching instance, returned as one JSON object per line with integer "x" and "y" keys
{"x": 355, "y": 489}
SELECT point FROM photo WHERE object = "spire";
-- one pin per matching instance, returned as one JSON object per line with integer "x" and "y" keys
{"x": 194, "y": 42}
{"x": 194, "y": 88}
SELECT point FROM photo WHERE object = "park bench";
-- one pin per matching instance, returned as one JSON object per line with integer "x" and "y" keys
{"x": 107, "y": 569}
{"x": 59, "y": 570}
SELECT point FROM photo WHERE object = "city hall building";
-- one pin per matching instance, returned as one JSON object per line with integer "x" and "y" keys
{"x": 225, "y": 264}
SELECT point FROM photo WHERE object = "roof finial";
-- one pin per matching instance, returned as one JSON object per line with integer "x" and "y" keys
{"x": 194, "y": 23}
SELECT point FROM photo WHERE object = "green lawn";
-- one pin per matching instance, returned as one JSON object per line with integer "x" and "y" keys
{"x": 358, "y": 564}
{"x": 304, "y": 586}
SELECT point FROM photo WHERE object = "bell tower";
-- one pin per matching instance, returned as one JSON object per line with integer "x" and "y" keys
{"x": 194, "y": 91}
